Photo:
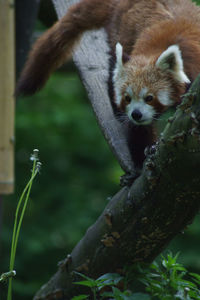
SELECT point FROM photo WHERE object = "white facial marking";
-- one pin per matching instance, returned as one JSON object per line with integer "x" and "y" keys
{"x": 129, "y": 91}
{"x": 164, "y": 98}
{"x": 143, "y": 92}
{"x": 163, "y": 62}
{"x": 146, "y": 110}
{"x": 118, "y": 95}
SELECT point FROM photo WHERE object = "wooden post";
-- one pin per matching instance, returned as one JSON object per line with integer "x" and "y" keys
{"x": 7, "y": 84}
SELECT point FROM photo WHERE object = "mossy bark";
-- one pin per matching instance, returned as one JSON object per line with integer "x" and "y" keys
{"x": 140, "y": 220}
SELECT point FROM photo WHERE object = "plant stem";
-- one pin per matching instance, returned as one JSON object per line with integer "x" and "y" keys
{"x": 17, "y": 225}
{"x": 94, "y": 293}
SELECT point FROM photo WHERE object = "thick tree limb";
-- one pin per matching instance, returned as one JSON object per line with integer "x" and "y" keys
{"x": 141, "y": 220}
{"x": 91, "y": 58}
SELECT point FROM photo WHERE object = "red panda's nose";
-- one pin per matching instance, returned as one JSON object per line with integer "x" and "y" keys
{"x": 136, "y": 115}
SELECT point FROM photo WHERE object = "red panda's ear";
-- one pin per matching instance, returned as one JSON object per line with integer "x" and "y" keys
{"x": 119, "y": 67}
{"x": 121, "y": 56}
{"x": 171, "y": 60}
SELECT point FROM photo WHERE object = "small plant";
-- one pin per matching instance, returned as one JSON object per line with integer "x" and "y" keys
{"x": 110, "y": 279}
{"x": 107, "y": 287}
{"x": 168, "y": 280}
{"x": 171, "y": 280}
{"x": 19, "y": 214}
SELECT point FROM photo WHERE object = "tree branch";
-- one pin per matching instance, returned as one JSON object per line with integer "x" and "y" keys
{"x": 139, "y": 221}
{"x": 91, "y": 58}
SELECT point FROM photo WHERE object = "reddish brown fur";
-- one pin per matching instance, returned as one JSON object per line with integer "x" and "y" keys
{"x": 54, "y": 47}
{"x": 145, "y": 28}
{"x": 146, "y": 75}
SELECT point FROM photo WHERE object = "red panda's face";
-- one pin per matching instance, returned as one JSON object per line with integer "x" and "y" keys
{"x": 145, "y": 88}
{"x": 144, "y": 94}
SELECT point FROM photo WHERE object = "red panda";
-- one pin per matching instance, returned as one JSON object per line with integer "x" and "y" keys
{"x": 155, "y": 54}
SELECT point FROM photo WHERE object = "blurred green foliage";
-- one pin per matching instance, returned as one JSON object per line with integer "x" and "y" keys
{"x": 196, "y": 1}
{"x": 163, "y": 280}
{"x": 78, "y": 175}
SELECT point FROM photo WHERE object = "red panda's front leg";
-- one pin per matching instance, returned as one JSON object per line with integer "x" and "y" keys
{"x": 55, "y": 46}
{"x": 139, "y": 139}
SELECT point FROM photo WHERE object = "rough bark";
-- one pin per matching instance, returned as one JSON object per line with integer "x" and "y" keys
{"x": 140, "y": 220}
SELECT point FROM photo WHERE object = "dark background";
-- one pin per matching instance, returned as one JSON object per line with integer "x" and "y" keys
{"x": 79, "y": 174}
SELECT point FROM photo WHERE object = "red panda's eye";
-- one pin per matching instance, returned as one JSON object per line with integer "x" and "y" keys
{"x": 127, "y": 99}
{"x": 148, "y": 98}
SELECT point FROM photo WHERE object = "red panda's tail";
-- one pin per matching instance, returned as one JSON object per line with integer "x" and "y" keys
{"x": 54, "y": 47}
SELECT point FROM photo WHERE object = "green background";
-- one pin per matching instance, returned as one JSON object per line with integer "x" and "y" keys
{"x": 78, "y": 175}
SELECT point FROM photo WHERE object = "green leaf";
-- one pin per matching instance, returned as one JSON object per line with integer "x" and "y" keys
{"x": 154, "y": 266}
{"x": 140, "y": 296}
{"x": 83, "y": 276}
{"x": 118, "y": 295}
{"x": 88, "y": 283}
{"x": 186, "y": 283}
{"x": 127, "y": 295}
{"x": 110, "y": 278}
{"x": 196, "y": 276}
{"x": 80, "y": 297}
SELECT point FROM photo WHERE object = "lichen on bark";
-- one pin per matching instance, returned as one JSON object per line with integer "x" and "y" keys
{"x": 140, "y": 220}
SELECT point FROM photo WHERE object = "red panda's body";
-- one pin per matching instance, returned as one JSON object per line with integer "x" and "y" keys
{"x": 155, "y": 45}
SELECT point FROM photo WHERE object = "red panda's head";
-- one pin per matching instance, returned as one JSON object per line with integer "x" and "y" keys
{"x": 146, "y": 86}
